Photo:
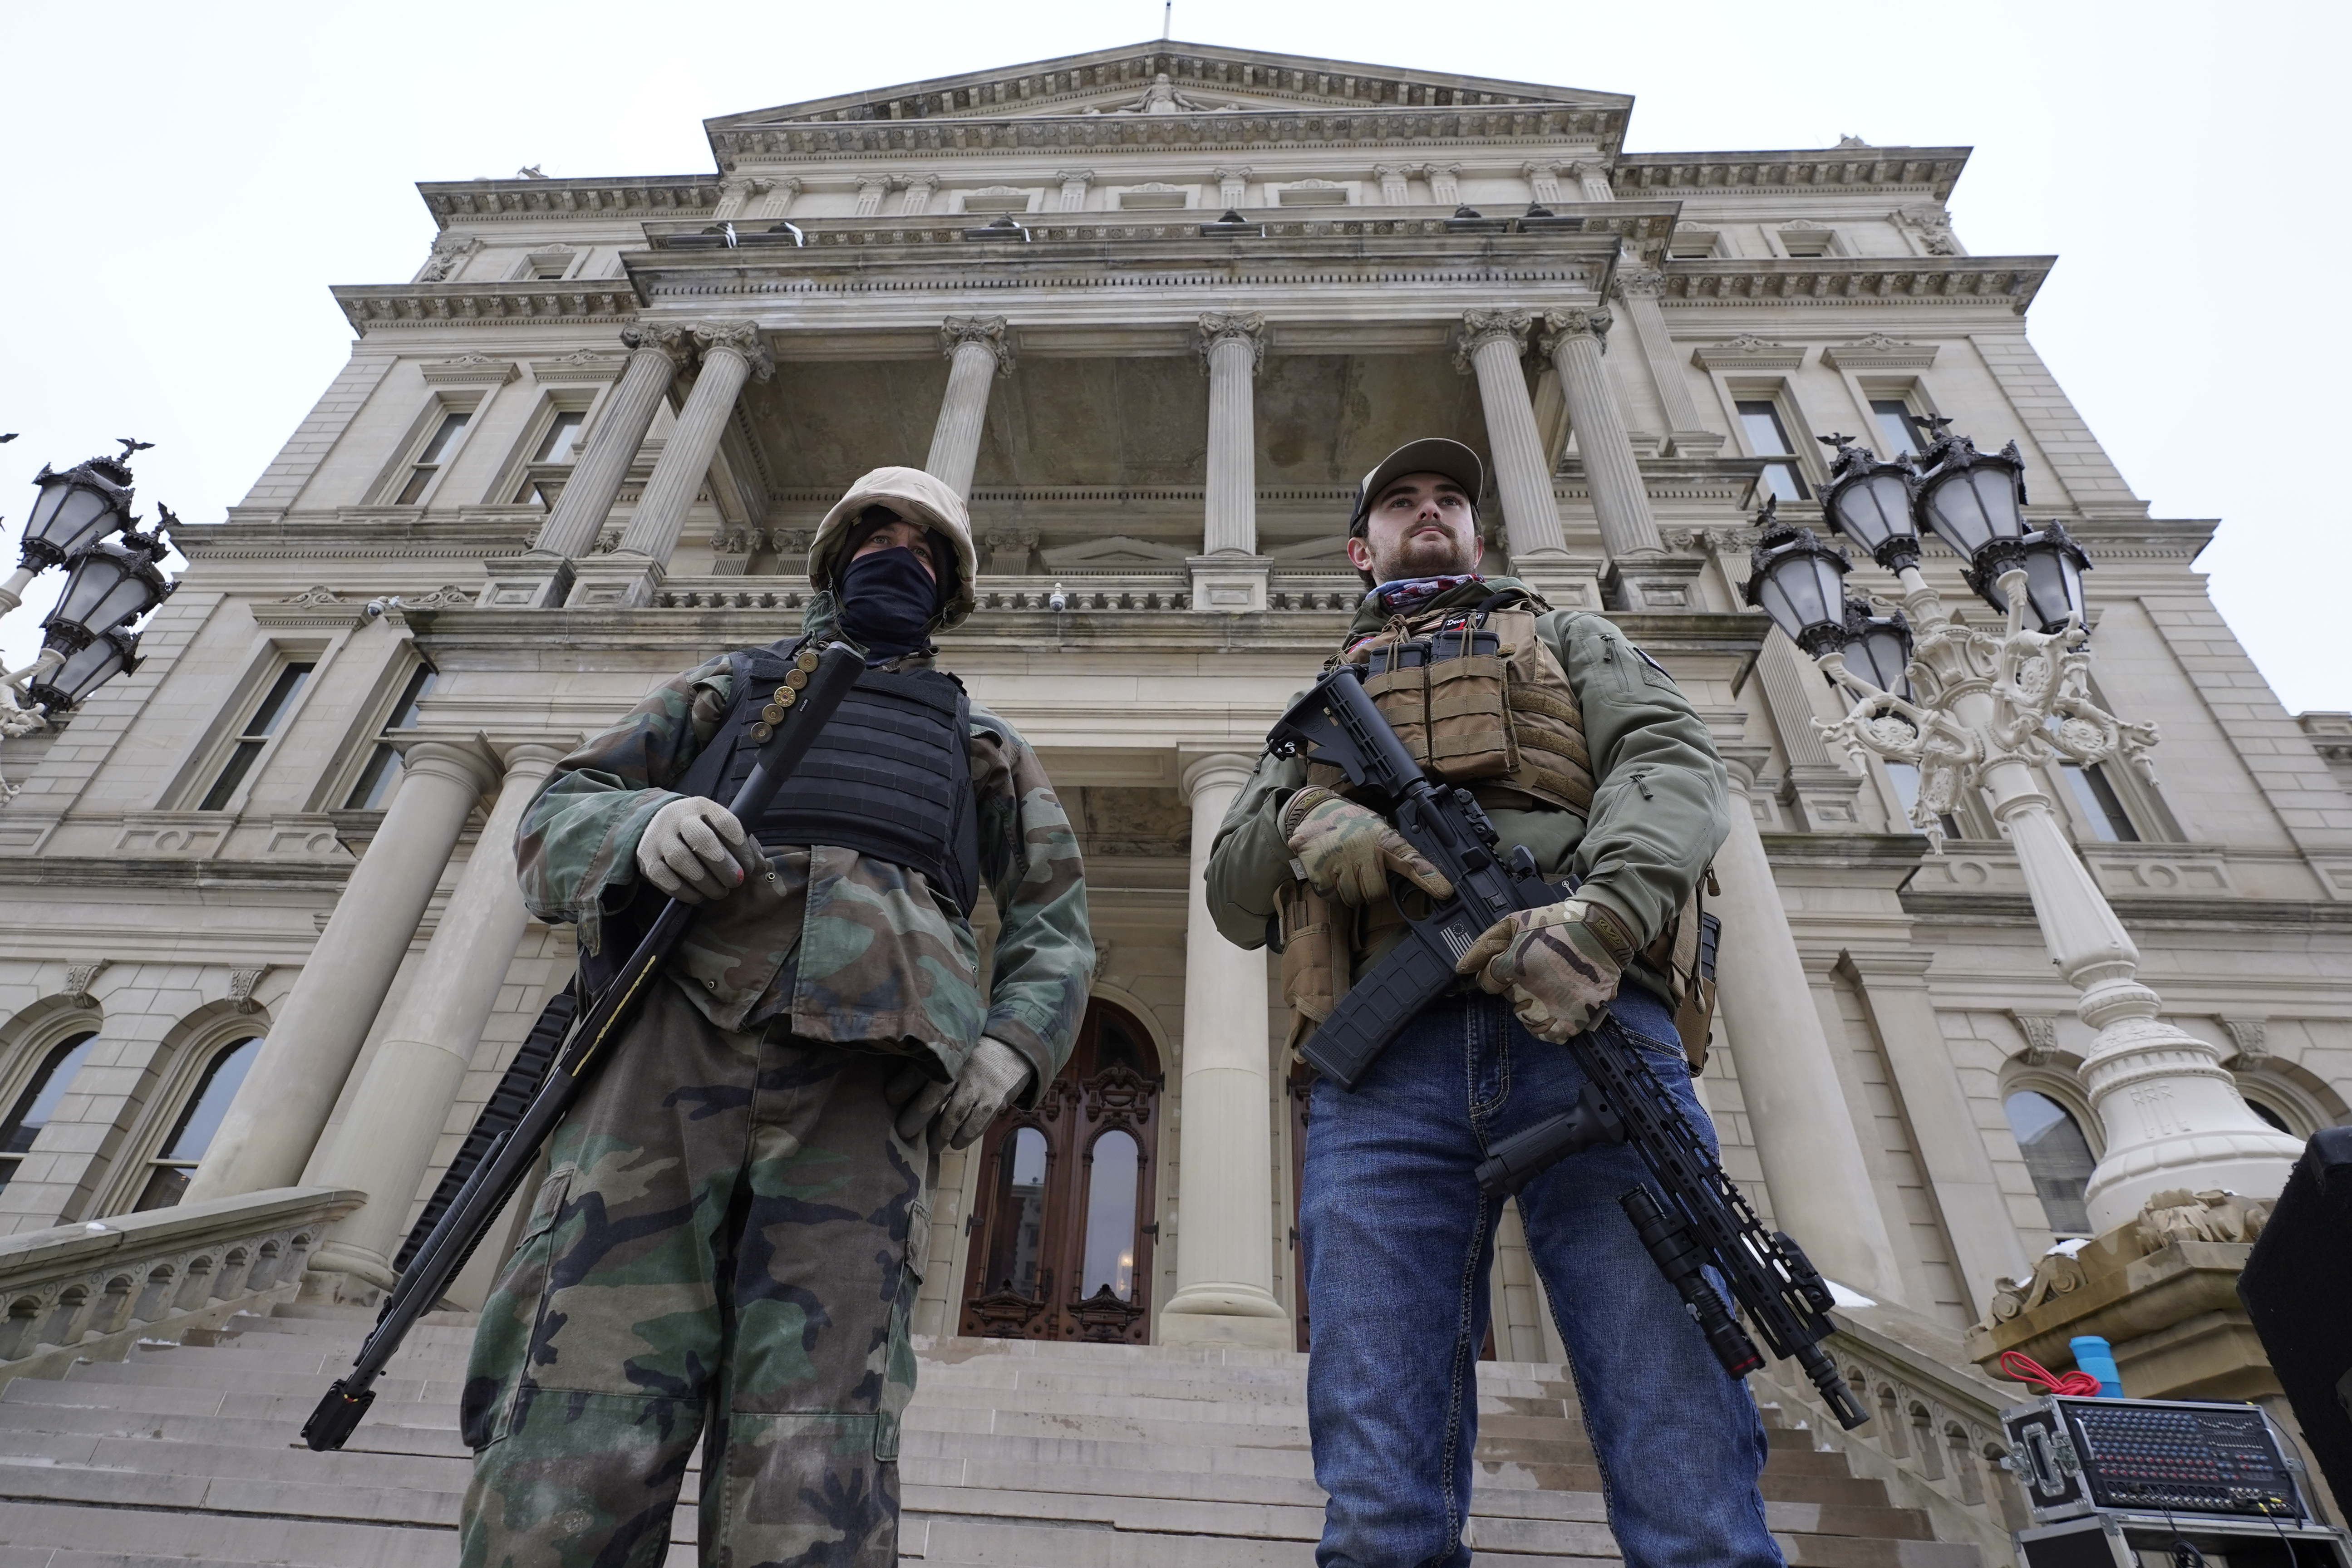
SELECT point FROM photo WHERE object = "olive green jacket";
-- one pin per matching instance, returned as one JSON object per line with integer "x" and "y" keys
{"x": 1658, "y": 803}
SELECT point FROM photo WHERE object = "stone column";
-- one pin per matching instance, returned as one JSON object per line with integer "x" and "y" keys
{"x": 1894, "y": 988}
{"x": 275, "y": 1121}
{"x": 603, "y": 466}
{"x": 1232, "y": 187}
{"x": 918, "y": 198}
{"x": 1229, "y": 574}
{"x": 396, "y": 1116}
{"x": 1395, "y": 192}
{"x": 977, "y": 354}
{"x": 1543, "y": 182}
{"x": 1637, "y": 290}
{"x": 1489, "y": 346}
{"x": 1805, "y": 1138}
{"x": 1592, "y": 180}
{"x": 1444, "y": 184}
{"x": 1224, "y": 1248}
{"x": 1073, "y": 183}
{"x": 1620, "y": 503}
{"x": 732, "y": 354}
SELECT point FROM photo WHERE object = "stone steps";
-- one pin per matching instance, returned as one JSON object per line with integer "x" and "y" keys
{"x": 1013, "y": 1453}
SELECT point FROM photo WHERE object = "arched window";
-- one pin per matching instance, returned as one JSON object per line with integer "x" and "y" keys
{"x": 2057, "y": 1156}
{"x": 38, "y": 1101}
{"x": 2270, "y": 1116}
{"x": 1062, "y": 1229}
{"x": 192, "y": 1133}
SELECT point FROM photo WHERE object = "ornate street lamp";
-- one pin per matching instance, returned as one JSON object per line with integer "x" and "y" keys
{"x": 98, "y": 661}
{"x": 1799, "y": 582}
{"x": 111, "y": 584}
{"x": 76, "y": 507}
{"x": 1870, "y": 503}
{"x": 1990, "y": 710}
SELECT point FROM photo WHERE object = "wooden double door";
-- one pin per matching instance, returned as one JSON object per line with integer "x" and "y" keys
{"x": 1063, "y": 1229}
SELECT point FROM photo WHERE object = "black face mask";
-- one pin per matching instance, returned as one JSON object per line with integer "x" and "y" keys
{"x": 887, "y": 601}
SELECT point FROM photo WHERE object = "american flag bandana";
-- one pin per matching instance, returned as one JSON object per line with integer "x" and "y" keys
{"x": 1407, "y": 595}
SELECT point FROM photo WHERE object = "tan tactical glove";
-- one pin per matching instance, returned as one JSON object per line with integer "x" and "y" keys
{"x": 992, "y": 1075}
{"x": 694, "y": 850}
{"x": 1347, "y": 850}
{"x": 1560, "y": 964}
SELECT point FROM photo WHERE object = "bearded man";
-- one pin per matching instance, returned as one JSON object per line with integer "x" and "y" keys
{"x": 1597, "y": 764}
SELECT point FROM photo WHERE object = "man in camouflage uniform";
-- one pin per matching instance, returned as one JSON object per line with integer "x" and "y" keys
{"x": 1608, "y": 775}
{"x": 735, "y": 1217}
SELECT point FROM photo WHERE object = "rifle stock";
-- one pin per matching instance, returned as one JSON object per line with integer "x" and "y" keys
{"x": 503, "y": 1167}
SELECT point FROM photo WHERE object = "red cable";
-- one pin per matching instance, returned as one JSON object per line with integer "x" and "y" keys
{"x": 2019, "y": 1367}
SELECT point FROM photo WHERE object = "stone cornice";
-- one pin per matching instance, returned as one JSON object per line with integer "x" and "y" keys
{"x": 483, "y": 201}
{"x": 1596, "y": 131}
{"x": 2012, "y": 280}
{"x": 161, "y": 875}
{"x": 369, "y": 306}
{"x": 2151, "y": 911}
{"x": 1935, "y": 169}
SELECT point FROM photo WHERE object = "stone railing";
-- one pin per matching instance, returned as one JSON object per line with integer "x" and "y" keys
{"x": 1934, "y": 1435}
{"x": 1081, "y": 592}
{"x": 90, "y": 1292}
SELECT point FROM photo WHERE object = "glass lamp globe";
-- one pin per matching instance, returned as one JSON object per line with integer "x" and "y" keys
{"x": 1878, "y": 648}
{"x": 110, "y": 586}
{"x": 79, "y": 507}
{"x": 2054, "y": 566}
{"x": 1871, "y": 503}
{"x": 1799, "y": 580}
{"x": 1973, "y": 499}
{"x": 97, "y": 662}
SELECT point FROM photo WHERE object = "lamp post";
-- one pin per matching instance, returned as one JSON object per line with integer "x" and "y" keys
{"x": 109, "y": 584}
{"x": 1970, "y": 708}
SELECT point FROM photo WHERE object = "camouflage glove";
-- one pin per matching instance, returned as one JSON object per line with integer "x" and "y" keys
{"x": 1560, "y": 964}
{"x": 694, "y": 849}
{"x": 992, "y": 1076}
{"x": 1345, "y": 850}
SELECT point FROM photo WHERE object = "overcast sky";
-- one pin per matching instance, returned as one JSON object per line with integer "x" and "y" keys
{"x": 184, "y": 183}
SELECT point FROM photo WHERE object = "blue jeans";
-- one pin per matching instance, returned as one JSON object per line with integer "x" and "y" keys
{"x": 1399, "y": 1243}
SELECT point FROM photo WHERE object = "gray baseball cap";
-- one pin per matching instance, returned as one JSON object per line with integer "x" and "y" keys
{"x": 1431, "y": 455}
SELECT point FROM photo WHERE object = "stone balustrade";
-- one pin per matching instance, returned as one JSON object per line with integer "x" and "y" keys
{"x": 1126, "y": 590}
{"x": 1934, "y": 1435}
{"x": 92, "y": 1291}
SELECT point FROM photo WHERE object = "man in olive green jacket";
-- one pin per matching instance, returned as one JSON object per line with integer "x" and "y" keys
{"x": 1398, "y": 1240}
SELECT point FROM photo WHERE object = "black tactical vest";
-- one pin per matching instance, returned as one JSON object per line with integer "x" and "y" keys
{"x": 889, "y": 777}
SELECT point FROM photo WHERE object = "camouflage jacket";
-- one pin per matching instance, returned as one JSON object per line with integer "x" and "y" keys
{"x": 1658, "y": 815}
{"x": 855, "y": 950}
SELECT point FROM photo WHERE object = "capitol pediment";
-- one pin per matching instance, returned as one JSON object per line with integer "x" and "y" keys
{"x": 1170, "y": 79}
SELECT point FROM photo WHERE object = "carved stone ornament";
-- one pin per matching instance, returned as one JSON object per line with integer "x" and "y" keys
{"x": 241, "y": 982}
{"x": 2040, "y": 1031}
{"x": 78, "y": 980}
{"x": 1103, "y": 1318}
{"x": 735, "y": 538}
{"x": 661, "y": 338}
{"x": 791, "y": 541}
{"x": 1932, "y": 227}
{"x": 1120, "y": 1097}
{"x": 988, "y": 332}
{"x": 2057, "y": 1273}
{"x": 1721, "y": 541}
{"x": 1102, "y": 957}
{"x": 1007, "y": 549}
{"x": 2252, "y": 1037}
{"x": 608, "y": 540}
{"x": 1232, "y": 326}
{"x": 449, "y": 253}
{"x": 2180, "y": 1215}
{"x": 1641, "y": 282}
{"x": 742, "y": 338}
{"x": 313, "y": 598}
{"x": 1559, "y": 326}
{"x": 2172, "y": 1215}
{"x": 1480, "y": 327}
{"x": 448, "y": 596}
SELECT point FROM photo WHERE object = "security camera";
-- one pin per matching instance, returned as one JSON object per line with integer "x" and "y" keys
{"x": 376, "y": 608}
{"x": 1058, "y": 601}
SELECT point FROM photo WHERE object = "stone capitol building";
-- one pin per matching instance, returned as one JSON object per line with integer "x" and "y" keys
{"x": 1153, "y": 310}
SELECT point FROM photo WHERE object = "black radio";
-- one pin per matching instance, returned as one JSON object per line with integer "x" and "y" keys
{"x": 2150, "y": 1456}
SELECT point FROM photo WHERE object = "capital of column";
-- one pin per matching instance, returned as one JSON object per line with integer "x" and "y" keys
{"x": 1480, "y": 327}
{"x": 743, "y": 339}
{"x": 1232, "y": 172}
{"x": 535, "y": 752}
{"x": 1075, "y": 177}
{"x": 665, "y": 338}
{"x": 1227, "y": 770}
{"x": 1637, "y": 283}
{"x": 469, "y": 761}
{"x": 988, "y": 332}
{"x": 1561, "y": 326}
{"x": 1385, "y": 172}
{"x": 1232, "y": 326}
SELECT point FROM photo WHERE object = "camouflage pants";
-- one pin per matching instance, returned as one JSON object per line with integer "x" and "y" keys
{"x": 729, "y": 1233}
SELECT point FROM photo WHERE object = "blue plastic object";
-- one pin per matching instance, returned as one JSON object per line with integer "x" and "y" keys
{"x": 2094, "y": 1355}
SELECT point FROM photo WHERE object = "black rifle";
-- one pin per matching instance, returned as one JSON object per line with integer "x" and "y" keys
{"x": 1702, "y": 1218}
{"x": 789, "y": 726}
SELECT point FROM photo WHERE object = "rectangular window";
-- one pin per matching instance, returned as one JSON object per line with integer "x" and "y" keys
{"x": 1899, "y": 429}
{"x": 383, "y": 770}
{"x": 254, "y": 738}
{"x": 1807, "y": 242}
{"x": 2102, "y": 807}
{"x": 428, "y": 461}
{"x": 562, "y": 442}
{"x": 1768, "y": 437}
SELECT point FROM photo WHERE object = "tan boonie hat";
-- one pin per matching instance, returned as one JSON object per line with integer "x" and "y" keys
{"x": 1432, "y": 455}
{"x": 918, "y": 498}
